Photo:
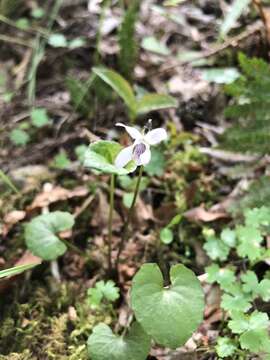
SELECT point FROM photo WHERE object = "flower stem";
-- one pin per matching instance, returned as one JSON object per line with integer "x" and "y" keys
{"x": 130, "y": 213}
{"x": 110, "y": 221}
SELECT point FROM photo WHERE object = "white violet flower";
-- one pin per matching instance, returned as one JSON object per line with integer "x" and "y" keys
{"x": 140, "y": 150}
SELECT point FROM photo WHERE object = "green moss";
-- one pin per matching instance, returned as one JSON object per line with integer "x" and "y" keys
{"x": 25, "y": 355}
{"x": 38, "y": 321}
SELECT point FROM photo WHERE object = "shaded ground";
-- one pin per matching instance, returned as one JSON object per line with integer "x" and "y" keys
{"x": 43, "y": 319}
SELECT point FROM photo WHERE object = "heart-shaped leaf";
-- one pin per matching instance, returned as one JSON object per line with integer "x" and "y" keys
{"x": 170, "y": 315}
{"x": 119, "y": 85}
{"x": 103, "y": 344}
{"x": 101, "y": 156}
{"x": 152, "y": 102}
{"x": 40, "y": 234}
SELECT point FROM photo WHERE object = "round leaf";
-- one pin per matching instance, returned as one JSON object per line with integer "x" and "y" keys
{"x": 166, "y": 235}
{"x": 101, "y": 156}
{"x": 170, "y": 315}
{"x": 40, "y": 234}
{"x": 104, "y": 345}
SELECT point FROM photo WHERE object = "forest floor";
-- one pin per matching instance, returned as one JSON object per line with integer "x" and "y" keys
{"x": 42, "y": 317}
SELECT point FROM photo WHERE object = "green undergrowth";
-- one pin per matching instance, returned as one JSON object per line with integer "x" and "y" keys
{"x": 48, "y": 322}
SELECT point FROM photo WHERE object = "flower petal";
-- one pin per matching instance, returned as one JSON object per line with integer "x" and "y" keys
{"x": 145, "y": 157}
{"x": 133, "y": 132}
{"x": 155, "y": 136}
{"x": 124, "y": 157}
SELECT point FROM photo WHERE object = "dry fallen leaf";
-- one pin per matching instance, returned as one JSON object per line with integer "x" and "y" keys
{"x": 101, "y": 214}
{"x": 11, "y": 219}
{"x": 26, "y": 258}
{"x": 52, "y": 194}
{"x": 200, "y": 214}
{"x": 143, "y": 212}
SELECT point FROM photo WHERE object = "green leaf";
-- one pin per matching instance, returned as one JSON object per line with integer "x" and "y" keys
{"x": 220, "y": 75}
{"x": 236, "y": 10}
{"x": 104, "y": 345}
{"x": 157, "y": 164}
{"x": 77, "y": 43}
{"x": 253, "y": 330}
{"x": 80, "y": 151}
{"x": 239, "y": 322}
{"x": 224, "y": 277}
{"x": 19, "y": 137}
{"x": 257, "y": 217}
{"x": 250, "y": 281}
{"x": 175, "y": 220}
{"x": 216, "y": 249}
{"x": 171, "y": 314}
{"x": 101, "y": 156}
{"x": 95, "y": 297}
{"x": 119, "y": 85}
{"x": 255, "y": 341}
{"x": 236, "y": 302}
{"x": 40, "y": 234}
{"x": 61, "y": 160}
{"x": 102, "y": 290}
{"x": 172, "y": 2}
{"x": 252, "y": 285}
{"x": 8, "y": 182}
{"x": 17, "y": 270}
{"x": 225, "y": 347}
{"x": 166, "y": 235}
{"x": 264, "y": 289}
{"x": 228, "y": 236}
{"x": 128, "y": 199}
{"x": 37, "y": 13}
{"x": 39, "y": 117}
{"x": 57, "y": 40}
{"x": 153, "y": 102}
{"x": 150, "y": 43}
{"x": 108, "y": 289}
{"x": 23, "y": 24}
{"x": 250, "y": 239}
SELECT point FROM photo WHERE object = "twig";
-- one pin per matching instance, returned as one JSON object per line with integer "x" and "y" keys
{"x": 233, "y": 42}
{"x": 84, "y": 206}
{"x": 258, "y": 4}
{"x": 229, "y": 156}
{"x": 10, "y": 22}
{"x": 13, "y": 40}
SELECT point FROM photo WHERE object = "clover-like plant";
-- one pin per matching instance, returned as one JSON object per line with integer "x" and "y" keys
{"x": 102, "y": 291}
{"x": 242, "y": 290}
{"x": 136, "y": 106}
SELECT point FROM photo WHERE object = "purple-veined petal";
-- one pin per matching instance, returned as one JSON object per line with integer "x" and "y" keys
{"x": 155, "y": 136}
{"x": 145, "y": 157}
{"x": 138, "y": 149}
{"x": 133, "y": 132}
{"x": 124, "y": 157}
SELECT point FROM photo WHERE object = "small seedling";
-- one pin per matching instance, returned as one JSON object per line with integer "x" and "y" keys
{"x": 103, "y": 291}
